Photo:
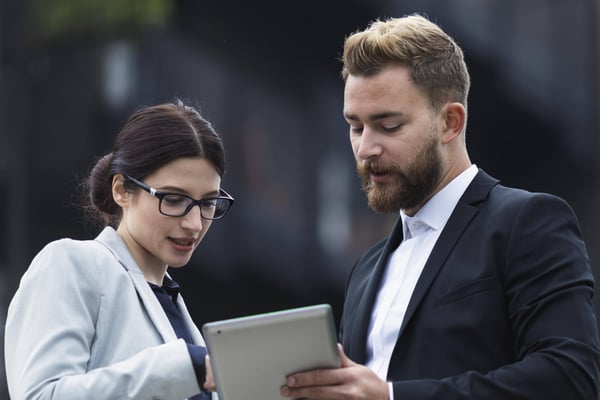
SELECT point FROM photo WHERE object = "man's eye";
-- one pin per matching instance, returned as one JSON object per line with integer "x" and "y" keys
{"x": 356, "y": 129}
{"x": 392, "y": 128}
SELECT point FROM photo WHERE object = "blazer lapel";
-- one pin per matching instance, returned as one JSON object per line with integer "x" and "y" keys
{"x": 460, "y": 218}
{"x": 152, "y": 306}
{"x": 110, "y": 239}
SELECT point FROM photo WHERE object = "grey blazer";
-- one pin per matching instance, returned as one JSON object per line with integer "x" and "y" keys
{"x": 85, "y": 324}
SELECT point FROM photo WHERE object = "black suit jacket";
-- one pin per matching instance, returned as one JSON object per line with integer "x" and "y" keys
{"x": 502, "y": 309}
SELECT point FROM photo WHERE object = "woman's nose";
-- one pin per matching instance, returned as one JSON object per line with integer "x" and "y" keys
{"x": 193, "y": 220}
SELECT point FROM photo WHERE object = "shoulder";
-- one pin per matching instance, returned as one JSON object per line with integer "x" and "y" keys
{"x": 68, "y": 260}
{"x": 488, "y": 193}
{"x": 71, "y": 250}
{"x": 514, "y": 201}
{"x": 532, "y": 223}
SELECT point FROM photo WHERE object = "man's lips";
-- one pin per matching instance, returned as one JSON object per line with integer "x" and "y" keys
{"x": 379, "y": 177}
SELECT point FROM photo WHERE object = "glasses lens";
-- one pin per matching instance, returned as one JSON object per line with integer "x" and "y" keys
{"x": 175, "y": 205}
{"x": 222, "y": 207}
{"x": 215, "y": 208}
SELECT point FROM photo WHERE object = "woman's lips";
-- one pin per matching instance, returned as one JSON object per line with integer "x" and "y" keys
{"x": 182, "y": 244}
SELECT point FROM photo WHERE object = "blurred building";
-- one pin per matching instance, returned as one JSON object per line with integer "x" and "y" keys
{"x": 267, "y": 75}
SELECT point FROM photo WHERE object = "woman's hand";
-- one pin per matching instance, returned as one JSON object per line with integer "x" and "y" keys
{"x": 209, "y": 383}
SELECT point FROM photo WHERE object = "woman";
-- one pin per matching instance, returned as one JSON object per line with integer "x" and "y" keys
{"x": 102, "y": 319}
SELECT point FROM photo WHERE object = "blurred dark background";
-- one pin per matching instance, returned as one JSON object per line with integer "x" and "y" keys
{"x": 266, "y": 73}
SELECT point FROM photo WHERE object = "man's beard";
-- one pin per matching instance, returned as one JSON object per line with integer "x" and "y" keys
{"x": 408, "y": 189}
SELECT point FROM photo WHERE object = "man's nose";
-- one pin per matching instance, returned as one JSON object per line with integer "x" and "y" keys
{"x": 368, "y": 145}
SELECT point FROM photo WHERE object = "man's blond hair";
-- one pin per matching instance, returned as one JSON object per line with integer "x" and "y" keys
{"x": 436, "y": 62}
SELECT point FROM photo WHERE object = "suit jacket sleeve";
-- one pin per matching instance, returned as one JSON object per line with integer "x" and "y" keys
{"x": 53, "y": 323}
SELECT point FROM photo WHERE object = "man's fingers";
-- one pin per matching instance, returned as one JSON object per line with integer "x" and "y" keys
{"x": 318, "y": 377}
{"x": 346, "y": 362}
{"x": 322, "y": 377}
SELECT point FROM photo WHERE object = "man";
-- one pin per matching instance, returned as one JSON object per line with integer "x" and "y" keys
{"x": 481, "y": 291}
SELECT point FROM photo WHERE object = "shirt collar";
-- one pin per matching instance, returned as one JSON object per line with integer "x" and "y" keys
{"x": 436, "y": 212}
{"x": 169, "y": 286}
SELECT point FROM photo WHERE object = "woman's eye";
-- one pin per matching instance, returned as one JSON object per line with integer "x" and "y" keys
{"x": 174, "y": 200}
{"x": 209, "y": 203}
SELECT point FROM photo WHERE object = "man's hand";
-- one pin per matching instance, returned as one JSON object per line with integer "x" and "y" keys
{"x": 350, "y": 382}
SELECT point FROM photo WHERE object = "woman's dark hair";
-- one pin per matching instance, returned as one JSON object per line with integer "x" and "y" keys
{"x": 151, "y": 138}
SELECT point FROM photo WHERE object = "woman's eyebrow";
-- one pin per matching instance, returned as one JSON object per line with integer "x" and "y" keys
{"x": 176, "y": 189}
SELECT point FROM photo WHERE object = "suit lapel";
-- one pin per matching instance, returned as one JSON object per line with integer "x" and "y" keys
{"x": 461, "y": 217}
{"x": 365, "y": 307}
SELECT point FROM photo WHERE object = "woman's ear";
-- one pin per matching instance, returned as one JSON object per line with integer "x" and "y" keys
{"x": 119, "y": 193}
{"x": 454, "y": 115}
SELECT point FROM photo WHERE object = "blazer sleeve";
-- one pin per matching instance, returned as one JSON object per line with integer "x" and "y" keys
{"x": 548, "y": 288}
{"x": 51, "y": 327}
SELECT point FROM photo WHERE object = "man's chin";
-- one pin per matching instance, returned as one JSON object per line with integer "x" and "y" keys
{"x": 382, "y": 204}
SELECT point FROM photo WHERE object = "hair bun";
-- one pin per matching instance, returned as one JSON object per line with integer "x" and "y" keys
{"x": 100, "y": 190}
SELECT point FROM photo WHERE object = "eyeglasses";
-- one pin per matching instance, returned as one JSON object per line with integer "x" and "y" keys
{"x": 178, "y": 205}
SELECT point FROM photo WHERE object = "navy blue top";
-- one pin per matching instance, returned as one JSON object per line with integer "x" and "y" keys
{"x": 167, "y": 296}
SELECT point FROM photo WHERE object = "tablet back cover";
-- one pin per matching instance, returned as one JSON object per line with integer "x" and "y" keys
{"x": 251, "y": 356}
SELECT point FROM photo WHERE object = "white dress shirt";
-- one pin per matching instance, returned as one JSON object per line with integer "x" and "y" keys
{"x": 404, "y": 268}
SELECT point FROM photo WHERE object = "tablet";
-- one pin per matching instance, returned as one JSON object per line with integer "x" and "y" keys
{"x": 251, "y": 356}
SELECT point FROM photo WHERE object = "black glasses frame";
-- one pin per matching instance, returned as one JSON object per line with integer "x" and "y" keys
{"x": 224, "y": 196}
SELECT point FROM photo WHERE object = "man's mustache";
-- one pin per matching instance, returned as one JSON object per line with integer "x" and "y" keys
{"x": 368, "y": 167}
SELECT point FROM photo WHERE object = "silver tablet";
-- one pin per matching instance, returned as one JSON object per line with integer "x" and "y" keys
{"x": 251, "y": 356}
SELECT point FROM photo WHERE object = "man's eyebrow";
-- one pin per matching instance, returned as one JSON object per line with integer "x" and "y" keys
{"x": 375, "y": 117}
{"x": 351, "y": 117}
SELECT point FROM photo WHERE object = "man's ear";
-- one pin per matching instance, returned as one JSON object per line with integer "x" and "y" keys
{"x": 454, "y": 115}
{"x": 119, "y": 193}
